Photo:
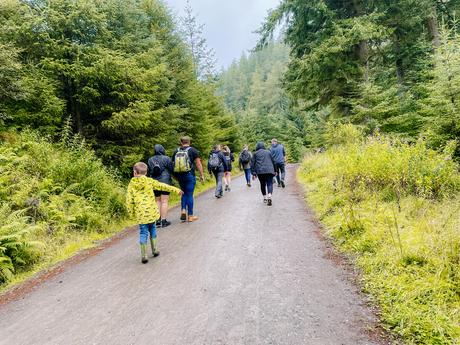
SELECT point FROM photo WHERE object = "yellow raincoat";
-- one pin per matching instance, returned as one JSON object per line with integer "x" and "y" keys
{"x": 140, "y": 200}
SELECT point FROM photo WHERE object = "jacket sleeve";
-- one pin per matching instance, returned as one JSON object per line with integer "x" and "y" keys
{"x": 253, "y": 164}
{"x": 232, "y": 157}
{"x": 224, "y": 161}
{"x": 163, "y": 187}
{"x": 240, "y": 163}
{"x": 130, "y": 201}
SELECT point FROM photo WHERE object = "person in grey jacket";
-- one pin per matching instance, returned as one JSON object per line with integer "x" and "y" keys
{"x": 217, "y": 165}
{"x": 244, "y": 162}
{"x": 263, "y": 168}
{"x": 160, "y": 168}
{"x": 279, "y": 157}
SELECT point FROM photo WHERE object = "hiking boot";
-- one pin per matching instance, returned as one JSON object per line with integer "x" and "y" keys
{"x": 165, "y": 223}
{"x": 227, "y": 188}
{"x": 269, "y": 202}
{"x": 158, "y": 223}
{"x": 183, "y": 216}
{"x": 192, "y": 219}
{"x": 279, "y": 185}
{"x": 218, "y": 196}
{"x": 283, "y": 184}
{"x": 265, "y": 200}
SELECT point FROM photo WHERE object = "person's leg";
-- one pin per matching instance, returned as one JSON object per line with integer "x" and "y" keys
{"x": 226, "y": 180}
{"x": 158, "y": 201}
{"x": 277, "y": 170}
{"x": 153, "y": 239}
{"x": 164, "y": 211}
{"x": 216, "y": 176}
{"x": 247, "y": 174}
{"x": 269, "y": 190}
{"x": 183, "y": 199}
{"x": 143, "y": 235}
{"x": 263, "y": 184}
{"x": 229, "y": 178}
{"x": 283, "y": 174}
{"x": 219, "y": 188}
{"x": 188, "y": 192}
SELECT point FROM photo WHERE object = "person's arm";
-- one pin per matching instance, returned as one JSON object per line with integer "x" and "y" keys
{"x": 284, "y": 154}
{"x": 232, "y": 157}
{"x": 164, "y": 187}
{"x": 199, "y": 166}
{"x": 253, "y": 166}
{"x": 240, "y": 163}
{"x": 130, "y": 201}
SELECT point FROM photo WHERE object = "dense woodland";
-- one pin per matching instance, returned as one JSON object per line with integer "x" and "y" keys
{"x": 391, "y": 66}
{"x": 120, "y": 70}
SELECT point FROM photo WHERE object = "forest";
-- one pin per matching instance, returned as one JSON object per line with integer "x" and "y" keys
{"x": 365, "y": 94}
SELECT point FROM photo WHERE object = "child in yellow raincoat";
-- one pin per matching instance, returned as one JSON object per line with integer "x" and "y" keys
{"x": 141, "y": 205}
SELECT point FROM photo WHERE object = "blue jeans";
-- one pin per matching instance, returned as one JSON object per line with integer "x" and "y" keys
{"x": 145, "y": 230}
{"x": 187, "y": 184}
{"x": 247, "y": 174}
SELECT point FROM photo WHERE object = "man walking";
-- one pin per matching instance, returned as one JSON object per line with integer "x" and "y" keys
{"x": 217, "y": 165}
{"x": 279, "y": 157}
{"x": 186, "y": 158}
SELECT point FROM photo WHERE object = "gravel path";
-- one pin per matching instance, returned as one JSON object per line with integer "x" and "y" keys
{"x": 244, "y": 273}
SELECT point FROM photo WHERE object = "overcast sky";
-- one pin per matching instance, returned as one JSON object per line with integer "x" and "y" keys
{"x": 229, "y": 24}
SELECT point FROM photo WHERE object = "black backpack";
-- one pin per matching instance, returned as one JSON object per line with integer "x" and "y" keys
{"x": 245, "y": 157}
{"x": 214, "y": 161}
{"x": 157, "y": 169}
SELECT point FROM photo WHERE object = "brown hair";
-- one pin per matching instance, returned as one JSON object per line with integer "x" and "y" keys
{"x": 140, "y": 168}
{"x": 185, "y": 140}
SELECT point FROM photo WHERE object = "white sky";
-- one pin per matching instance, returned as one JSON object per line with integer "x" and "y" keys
{"x": 229, "y": 24}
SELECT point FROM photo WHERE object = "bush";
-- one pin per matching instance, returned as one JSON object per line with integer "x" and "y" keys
{"x": 50, "y": 192}
{"x": 396, "y": 208}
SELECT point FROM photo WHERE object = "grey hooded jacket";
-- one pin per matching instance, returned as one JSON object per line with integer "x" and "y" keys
{"x": 165, "y": 164}
{"x": 262, "y": 161}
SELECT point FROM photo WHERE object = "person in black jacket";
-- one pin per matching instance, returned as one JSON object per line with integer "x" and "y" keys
{"x": 160, "y": 168}
{"x": 263, "y": 168}
{"x": 229, "y": 158}
{"x": 217, "y": 165}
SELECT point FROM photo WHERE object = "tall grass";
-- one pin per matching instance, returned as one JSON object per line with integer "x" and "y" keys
{"x": 51, "y": 195}
{"x": 395, "y": 207}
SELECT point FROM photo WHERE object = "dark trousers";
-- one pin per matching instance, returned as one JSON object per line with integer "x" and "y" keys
{"x": 280, "y": 169}
{"x": 266, "y": 183}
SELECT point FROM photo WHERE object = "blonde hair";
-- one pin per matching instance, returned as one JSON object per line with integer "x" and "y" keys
{"x": 185, "y": 140}
{"x": 140, "y": 168}
{"x": 226, "y": 148}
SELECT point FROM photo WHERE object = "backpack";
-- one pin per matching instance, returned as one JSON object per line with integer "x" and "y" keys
{"x": 214, "y": 161}
{"x": 245, "y": 157}
{"x": 157, "y": 170}
{"x": 182, "y": 162}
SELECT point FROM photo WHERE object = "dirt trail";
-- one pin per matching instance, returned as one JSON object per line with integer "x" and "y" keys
{"x": 244, "y": 273}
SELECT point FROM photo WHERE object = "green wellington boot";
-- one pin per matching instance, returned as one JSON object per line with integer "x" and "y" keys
{"x": 154, "y": 245}
{"x": 144, "y": 259}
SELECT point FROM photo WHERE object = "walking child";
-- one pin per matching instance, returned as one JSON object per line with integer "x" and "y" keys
{"x": 141, "y": 205}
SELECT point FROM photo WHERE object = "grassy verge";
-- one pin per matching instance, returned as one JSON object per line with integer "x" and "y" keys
{"x": 395, "y": 208}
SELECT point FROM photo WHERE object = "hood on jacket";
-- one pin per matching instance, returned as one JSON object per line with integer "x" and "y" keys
{"x": 160, "y": 150}
{"x": 260, "y": 146}
{"x": 140, "y": 183}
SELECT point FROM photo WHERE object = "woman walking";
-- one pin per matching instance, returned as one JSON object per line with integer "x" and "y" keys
{"x": 245, "y": 164}
{"x": 228, "y": 155}
{"x": 160, "y": 168}
{"x": 263, "y": 168}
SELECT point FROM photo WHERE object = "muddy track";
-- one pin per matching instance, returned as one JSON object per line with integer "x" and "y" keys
{"x": 244, "y": 273}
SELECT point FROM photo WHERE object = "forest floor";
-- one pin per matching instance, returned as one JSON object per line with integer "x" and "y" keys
{"x": 244, "y": 273}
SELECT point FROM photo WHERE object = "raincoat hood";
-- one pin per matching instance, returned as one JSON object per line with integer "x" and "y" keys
{"x": 260, "y": 145}
{"x": 140, "y": 183}
{"x": 160, "y": 150}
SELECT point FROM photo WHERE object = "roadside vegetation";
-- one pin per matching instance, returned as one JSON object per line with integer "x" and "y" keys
{"x": 395, "y": 208}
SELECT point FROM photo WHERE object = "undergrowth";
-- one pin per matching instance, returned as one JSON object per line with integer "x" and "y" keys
{"x": 395, "y": 207}
{"x": 52, "y": 196}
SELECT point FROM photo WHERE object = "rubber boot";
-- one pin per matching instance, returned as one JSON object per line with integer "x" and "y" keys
{"x": 154, "y": 245}
{"x": 144, "y": 259}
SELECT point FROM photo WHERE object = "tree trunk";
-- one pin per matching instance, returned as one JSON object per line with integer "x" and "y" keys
{"x": 433, "y": 29}
{"x": 362, "y": 48}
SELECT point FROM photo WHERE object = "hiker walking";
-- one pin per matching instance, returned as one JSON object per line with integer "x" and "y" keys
{"x": 185, "y": 159}
{"x": 279, "y": 157}
{"x": 160, "y": 168}
{"x": 229, "y": 158}
{"x": 245, "y": 164}
{"x": 217, "y": 166}
{"x": 263, "y": 168}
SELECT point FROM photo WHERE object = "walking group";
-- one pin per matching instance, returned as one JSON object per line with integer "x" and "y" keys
{"x": 148, "y": 191}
